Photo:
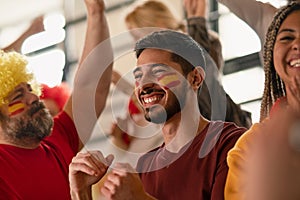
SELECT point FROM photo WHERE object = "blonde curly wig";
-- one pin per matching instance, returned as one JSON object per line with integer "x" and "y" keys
{"x": 13, "y": 72}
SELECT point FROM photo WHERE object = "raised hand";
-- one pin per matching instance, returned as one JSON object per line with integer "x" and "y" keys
{"x": 195, "y": 8}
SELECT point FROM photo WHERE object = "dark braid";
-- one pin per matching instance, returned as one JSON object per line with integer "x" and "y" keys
{"x": 274, "y": 86}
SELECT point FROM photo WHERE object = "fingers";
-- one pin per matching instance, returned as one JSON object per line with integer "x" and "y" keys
{"x": 109, "y": 159}
{"x": 293, "y": 90}
{"x": 110, "y": 185}
{"x": 190, "y": 9}
{"x": 119, "y": 178}
{"x": 195, "y": 8}
{"x": 92, "y": 163}
{"x": 95, "y": 6}
{"x": 295, "y": 87}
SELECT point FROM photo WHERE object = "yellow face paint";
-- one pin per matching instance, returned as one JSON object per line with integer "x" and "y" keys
{"x": 169, "y": 80}
{"x": 15, "y": 108}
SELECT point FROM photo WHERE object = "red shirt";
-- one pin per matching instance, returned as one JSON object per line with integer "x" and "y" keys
{"x": 40, "y": 173}
{"x": 198, "y": 171}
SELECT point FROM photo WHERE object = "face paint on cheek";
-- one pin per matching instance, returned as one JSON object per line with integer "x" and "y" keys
{"x": 16, "y": 108}
{"x": 169, "y": 80}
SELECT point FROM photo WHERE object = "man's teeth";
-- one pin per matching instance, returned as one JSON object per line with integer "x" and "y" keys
{"x": 151, "y": 99}
{"x": 295, "y": 63}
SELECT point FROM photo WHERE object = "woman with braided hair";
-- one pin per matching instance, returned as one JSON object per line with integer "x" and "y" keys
{"x": 265, "y": 161}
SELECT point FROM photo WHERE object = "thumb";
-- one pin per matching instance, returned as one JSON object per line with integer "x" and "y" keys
{"x": 109, "y": 159}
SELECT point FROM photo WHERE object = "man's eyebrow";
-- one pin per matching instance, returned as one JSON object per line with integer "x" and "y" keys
{"x": 13, "y": 94}
{"x": 138, "y": 68}
{"x": 18, "y": 89}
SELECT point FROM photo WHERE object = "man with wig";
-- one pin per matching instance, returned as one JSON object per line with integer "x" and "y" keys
{"x": 35, "y": 149}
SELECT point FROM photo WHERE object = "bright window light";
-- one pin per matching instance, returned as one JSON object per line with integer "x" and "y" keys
{"x": 53, "y": 34}
{"x": 43, "y": 40}
{"x": 48, "y": 66}
{"x": 239, "y": 40}
{"x": 54, "y": 21}
{"x": 251, "y": 84}
{"x": 254, "y": 108}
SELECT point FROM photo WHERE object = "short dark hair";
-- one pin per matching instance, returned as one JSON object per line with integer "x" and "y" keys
{"x": 185, "y": 50}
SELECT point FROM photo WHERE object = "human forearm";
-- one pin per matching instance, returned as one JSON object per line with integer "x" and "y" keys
{"x": 36, "y": 26}
{"x": 97, "y": 27}
{"x": 244, "y": 10}
{"x": 197, "y": 29}
{"x": 93, "y": 76}
{"x": 96, "y": 41}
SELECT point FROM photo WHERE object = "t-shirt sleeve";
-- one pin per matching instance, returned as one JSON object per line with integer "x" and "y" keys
{"x": 227, "y": 140}
{"x": 237, "y": 162}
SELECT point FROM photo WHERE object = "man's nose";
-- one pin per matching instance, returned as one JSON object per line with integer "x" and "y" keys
{"x": 31, "y": 98}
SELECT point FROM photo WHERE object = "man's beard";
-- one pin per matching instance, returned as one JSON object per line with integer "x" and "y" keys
{"x": 33, "y": 126}
{"x": 159, "y": 114}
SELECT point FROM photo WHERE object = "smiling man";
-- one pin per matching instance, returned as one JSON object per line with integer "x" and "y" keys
{"x": 191, "y": 163}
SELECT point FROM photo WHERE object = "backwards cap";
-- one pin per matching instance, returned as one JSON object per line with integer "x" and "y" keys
{"x": 13, "y": 72}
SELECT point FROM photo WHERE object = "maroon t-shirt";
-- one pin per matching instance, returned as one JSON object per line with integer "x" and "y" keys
{"x": 40, "y": 173}
{"x": 198, "y": 171}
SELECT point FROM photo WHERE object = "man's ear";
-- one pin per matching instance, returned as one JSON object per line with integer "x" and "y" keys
{"x": 196, "y": 77}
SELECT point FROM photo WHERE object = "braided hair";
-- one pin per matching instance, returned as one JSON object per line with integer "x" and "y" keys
{"x": 274, "y": 86}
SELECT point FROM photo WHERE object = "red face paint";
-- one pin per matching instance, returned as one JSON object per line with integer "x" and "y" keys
{"x": 169, "y": 80}
{"x": 16, "y": 108}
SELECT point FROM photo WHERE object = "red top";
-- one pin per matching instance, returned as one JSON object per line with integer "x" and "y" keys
{"x": 198, "y": 171}
{"x": 40, "y": 173}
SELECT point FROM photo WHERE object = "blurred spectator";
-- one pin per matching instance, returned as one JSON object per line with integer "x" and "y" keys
{"x": 55, "y": 97}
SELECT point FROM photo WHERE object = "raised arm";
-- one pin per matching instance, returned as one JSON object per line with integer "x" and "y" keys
{"x": 256, "y": 14}
{"x": 93, "y": 76}
{"x": 36, "y": 26}
{"x": 196, "y": 21}
{"x": 122, "y": 84}
{"x": 196, "y": 11}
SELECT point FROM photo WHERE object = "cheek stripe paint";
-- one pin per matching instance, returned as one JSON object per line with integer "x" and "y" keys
{"x": 15, "y": 108}
{"x": 172, "y": 84}
{"x": 169, "y": 80}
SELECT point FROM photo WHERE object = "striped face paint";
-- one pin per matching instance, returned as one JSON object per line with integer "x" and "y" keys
{"x": 16, "y": 108}
{"x": 169, "y": 80}
{"x": 157, "y": 72}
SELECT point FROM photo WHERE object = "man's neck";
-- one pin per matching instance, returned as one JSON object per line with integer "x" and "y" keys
{"x": 178, "y": 134}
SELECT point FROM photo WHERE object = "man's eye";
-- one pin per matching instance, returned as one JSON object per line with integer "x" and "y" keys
{"x": 137, "y": 76}
{"x": 17, "y": 97}
{"x": 158, "y": 71}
